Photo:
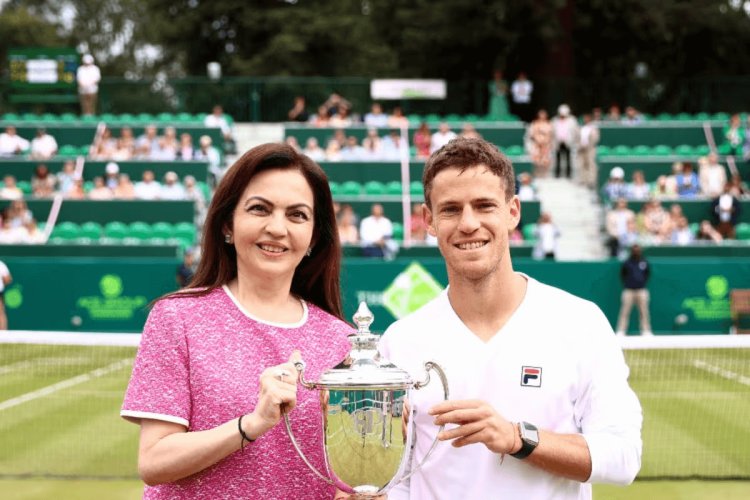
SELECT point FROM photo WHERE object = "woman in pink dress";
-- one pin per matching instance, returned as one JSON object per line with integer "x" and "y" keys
{"x": 422, "y": 138}
{"x": 539, "y": 143}
{"x": 214, "y": 369}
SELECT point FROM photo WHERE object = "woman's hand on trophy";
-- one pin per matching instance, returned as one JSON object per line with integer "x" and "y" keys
{"x": 341, "y": 495}
{"x": 477, "y": 422}
{"x": 278, "y": 393}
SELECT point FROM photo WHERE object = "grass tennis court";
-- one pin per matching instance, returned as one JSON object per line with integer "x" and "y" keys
{"x": 59, "y": 420}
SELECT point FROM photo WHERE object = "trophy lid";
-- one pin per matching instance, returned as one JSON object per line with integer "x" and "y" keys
{"x": 364, "y": 368}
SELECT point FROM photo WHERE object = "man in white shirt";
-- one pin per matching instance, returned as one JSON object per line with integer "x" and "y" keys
{"x": 442, "y": 137}
{"x": 11, "y": 143}
{"x": 376, "y": 118}
{"x": 540, "y": 405}
{"x": 171, "y": 189}
{"x": 147, "y": 188}
{"x": 374, "y": 232}
{"x": 712, "y": 175}
{"x": 88, "y": 77}
{"x": 521, "y": 91}
{"x": 217, "y": 119}
{"x": 43, "y": 146}
{"x": 565, "y": 128}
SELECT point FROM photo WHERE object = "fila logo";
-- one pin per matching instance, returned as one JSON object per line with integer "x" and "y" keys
{"x": 531, "y": 376}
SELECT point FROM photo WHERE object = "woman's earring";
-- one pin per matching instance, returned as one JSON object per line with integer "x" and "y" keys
{"x": 228, "y": 238}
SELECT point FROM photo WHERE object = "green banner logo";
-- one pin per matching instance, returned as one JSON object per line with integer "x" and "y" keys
{"x": 111, "y": 305}
{"x": 13, "y": 297}
{"x": 411, "y": 289}
{"x": 715, "y": 306}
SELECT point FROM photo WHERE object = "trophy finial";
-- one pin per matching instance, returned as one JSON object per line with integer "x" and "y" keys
{"x": 363, "y": 318}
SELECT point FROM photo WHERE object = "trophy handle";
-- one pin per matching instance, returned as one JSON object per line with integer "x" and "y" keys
{"x": 430, "y": 365}
{"x": 300, "y": 366}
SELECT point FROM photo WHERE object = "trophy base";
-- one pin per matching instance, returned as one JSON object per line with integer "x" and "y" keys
{"x": 366, "y": 490}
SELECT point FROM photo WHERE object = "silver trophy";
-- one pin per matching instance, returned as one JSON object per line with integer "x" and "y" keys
{"x": 368, "y": 435}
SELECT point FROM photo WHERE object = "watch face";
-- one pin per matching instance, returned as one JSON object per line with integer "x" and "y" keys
{"x": 529, "y": 433}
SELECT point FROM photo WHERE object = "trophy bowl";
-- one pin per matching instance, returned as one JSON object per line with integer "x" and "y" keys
{"x": 368, "y": 438}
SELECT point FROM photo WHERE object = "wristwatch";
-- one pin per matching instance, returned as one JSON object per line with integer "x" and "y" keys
{"x": 529, "y": 440}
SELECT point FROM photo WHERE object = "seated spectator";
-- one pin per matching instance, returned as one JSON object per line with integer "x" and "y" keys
{"x": 442, "y": 137}
{"x": 712, "y": 175}
{"x": 613, "y": 114}
{"x": 147, "y": 144}
{"x": 418, "y": 223}
{"x": 688, "y": 185}
{"x": 376, "y": 118}
{"x": 207, "y": 152}
{"x": 147, "y": 188}
{"x": 638, "y": 189}
{"x": 125, "y": 190}
{"x": 10, "y": 190}
{"x": 681, "y": 234}
{"x": 397, "y": 119}
{"x": 292, "y": 142}
{"x": 193, "y": 192}
{"x": 217, "y": 119}
{"x": 339, "y": 135}
{"x": 126, "y": 141}
{"x": 654, "y": 221}
{"x": 675, "y": 213}
{"x": 11, "y": 143}
{"x": 100, "y": 191}
{"x": 615, "y": 187}
{"x": 347, "y": 226}
{"x": 333, "y": 104}
{"x": 172, "y": 189}
{"x": 726, "y": 211}
{"x": 672, "y": 178}
{"x": 630, "y": 237}
{"x": 185, "y": 150}
{"x": 124, "y": 150}
{"x": 526, "y": 190}
{"x": 375, "y": 231}
{"x": 616, "y": 223}
{"x": 706, "y": 232}
{"x": 547, "y": 235}
{"x": 373, "y": 145}
{"x": 34, "y": 236}
{"x": 739, "y": 188}
{"x": 422, "y": 139}
{"x": 321, "y": 118}
{"x": 77, "y": 191}
{"x": 18, "y": 213}
{"x": 42, "y": 182}
{"x": 104, "y": 146}
{"x": 470, "y": 132}
{"x": 632, "y": 116}
{"x": 298, "y": 113}
{"x": 663, "y": 189}
{"x": 352, "y": 151}
{"x": 391, "y": 146}
{"x": 734, "y": 135}
{"x": 341, "y": 118}
{"x": 11, "y": 234}
{"x": 43, "y": 146}
{"x": 111, "y": 173}
{"x": 313, "y": 150}
{"x": 333, "y": 151}
{"x": 168, "y": 146}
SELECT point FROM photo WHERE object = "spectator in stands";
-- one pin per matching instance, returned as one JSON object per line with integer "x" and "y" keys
{"x": 596, "y": 115}
{"x": 418, "y": 223}
{"x": 634, "y": 272}
{"x": 111, "y": 173}
{"x": 675, "y": 213}
{"x": 615, "y": 186}
{"x": 100, "y": 191}
{"x": 681, "y": 233}
{"x": 469, "y": 132}
{"x": 630, "y": 237}
{"x": 88, "y": 77}
{"x": 313, "y": 150}
{"x": 498, "y": 96}
{"x": 688, "y": 185}
{"x": 333, "y": 151}
{"x": 352, "y": 151}
{"x": 125, "y": 190}
{"x": 217, "y": 119}
{"x": 442, "y": 137}
{"x": 125, "y": 145}
{"x": 186, "y": 269}
{"x": 712, "y": 175}
{"x": 373, "y": 145}
{"x": 34, "y": 236}
{"x": 292, "y": 142}
{"x": 391, "y": 145}
{"x": 539, "y": 139}
{"x": 347, "y": 225}
{"x": 638, "y": 189}
{"x": 147, "y": 188}
{"x": 11, "y": 143}
{"x": 43, "y": 146}
{"x": 11, "y": 234}
{"x": 397, "y": 119}
{"x": 147, "y": 143}
{"x": 321, "y": 118}
{"x": 546, "y": 234}
{"x": 10, "y": 190}
{"x": 104, "y": 146}
{"x": 18, "y": 213}
{"x": 169, "y": 147}
{"x": 566, "y": 132}
{"x": 422, "y": 138}
{"x": 726, "y": 211}
{"x": 663, "y": 189}
{"x": 375, "y": 231}
{"x": 655, "y": 222}
{"x": 172, "y": 189}
{"x": 42, "y": 182}
{"x": 672, "y": 178}
{"x": 588, "y": 141}
{"x": 613, "y": 114}
{"x": 616, "y": 223}
{"x": 739, "y": 188}
{"x": 706, "y": 232}
{"x": 334, "y": 102}
{"x": 632, "y": 116}
{"x": 734, "y": 135}
{"x": 521, "y": 92}
{"x": 207, "y": 152}
{"x": 526, "y": 190}
{"x": 267, "y": 284}
{"x": 339, "y": 135}
{"x": 376, "y": 117}
{"x": 186, "y": 150}
{"x": 78, "y": 191}
{"x": 5, "y": 280}
{"x": 195, "y": 193}
{"x": 298, "y": 113}
{"x": 341, "y": 118}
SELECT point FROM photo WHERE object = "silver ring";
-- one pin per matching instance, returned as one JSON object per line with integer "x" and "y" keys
{"x": 281, "y": 373}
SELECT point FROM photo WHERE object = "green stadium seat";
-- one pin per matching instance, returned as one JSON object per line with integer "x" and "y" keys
{"x": 88, "y": 186}
{"x": 89, "y": 119}
{"x": 115, "y": 231}
{"x": 66, "y": 231}
{"x": 374, "y": 188}
{"x": 68, "y": 150}
{"x": 453, "y": 118}
{"x": 335, "y": 188}
{"x": 724, "y": 149}
{"x": 433, "y": 118}
{"x": 723, "y": 117}
{"x": 414, "y": 120}
{"x": 642, "y": 150}
{"x": 199, "y": 117}
{"x": 514, "y": 150}
{"x": 10, "y": 117}
{"x": 91, "y": 230}
{"x": 126, "y": 118}
{"x": 694, "y": 226}
{"x": 24, "y": 186}
{"x": 603, "y": 150}
{"x": 664, "y": 117}
{"x": 163, "y": 230}
{"x": 393, "y": 188}
{"x": 743, "y": 231}
{"x": 684, "y": 117}
{"x": 471, "y": 118}
{"x": 156, "y": 241}
{"x": 398, "y": 231}
{"x": 702, "y": 116}
{"x": 108, "y": 118}
{"x": 702, "y": 150}
{"x": 351, "y": 188}
{"x": 145, "y": 118}
{"x": 139, "y": 230}
{"x": 661, "y": 150}
{"x": 416, "y": 189}
{"x": 185, "y": 231}
{"x": 621, "y": 150}
{"x": 50, "y": 118}
{"x": 205, "y": 189}
{"x": 183, "y": 118}
{"x": 684, "y": 150}
{"x": 528, "y": 231}
{"x": 166, "y": 118}
{"x": 30, "y": 117}
{"x": 68, "y": 118}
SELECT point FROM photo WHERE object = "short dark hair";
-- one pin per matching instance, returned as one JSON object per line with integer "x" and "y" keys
{"x": 464, "y": 153}
{"x": 316, "y": 278}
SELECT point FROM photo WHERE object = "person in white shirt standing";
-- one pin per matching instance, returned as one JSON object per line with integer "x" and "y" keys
{"x": 88, "y": 77}
{"x": 589, "y": 139}
{"x": 521, "y": 91}
{"x": 374, "y": 232}
{"x": 541, "y": 405}
{"x": 565, "y": 128}
{"x": 5, "y": 280}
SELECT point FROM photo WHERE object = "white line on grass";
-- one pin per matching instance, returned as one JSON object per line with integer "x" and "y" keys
{"x": 721, "y": 372}
{"x": 64, "y": 384}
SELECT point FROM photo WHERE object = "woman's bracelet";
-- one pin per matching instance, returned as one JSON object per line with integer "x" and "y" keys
{"x": 245, "y": 437}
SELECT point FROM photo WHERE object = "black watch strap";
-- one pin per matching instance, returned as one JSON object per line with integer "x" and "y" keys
{"x": 529, "y": 440}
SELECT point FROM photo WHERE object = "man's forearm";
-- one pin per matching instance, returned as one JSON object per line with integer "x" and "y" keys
{"x": 565, "y": 455}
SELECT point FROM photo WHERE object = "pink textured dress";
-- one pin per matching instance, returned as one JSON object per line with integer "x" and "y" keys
{"x": 199, "y": 365}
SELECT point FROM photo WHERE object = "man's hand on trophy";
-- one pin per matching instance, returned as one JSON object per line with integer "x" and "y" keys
{"x": 477, "y": 422}
{"x": 278, "y": 393}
